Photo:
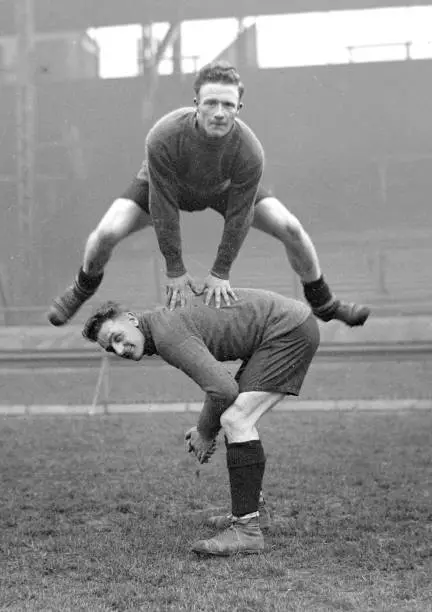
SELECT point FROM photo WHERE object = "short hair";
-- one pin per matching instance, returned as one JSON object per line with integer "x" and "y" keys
{"x": 106, "y": 312}
{"x": 219, "y": 71}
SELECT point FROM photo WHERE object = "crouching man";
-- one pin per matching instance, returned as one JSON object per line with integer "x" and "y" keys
{"x": 275, "y": 338}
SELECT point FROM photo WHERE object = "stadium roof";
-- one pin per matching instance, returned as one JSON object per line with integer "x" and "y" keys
{"x": 78, "y": 15}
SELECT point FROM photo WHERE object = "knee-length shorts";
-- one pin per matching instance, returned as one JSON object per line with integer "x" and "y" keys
{"x": 138, "y": 192}
{"x": 280, "y": 364}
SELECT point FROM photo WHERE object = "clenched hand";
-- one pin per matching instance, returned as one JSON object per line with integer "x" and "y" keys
{"x": 202, "y": 449}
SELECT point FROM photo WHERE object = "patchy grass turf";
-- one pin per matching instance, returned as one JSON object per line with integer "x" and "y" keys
{"x": 98, "y": 514}
{"x": 138, "y": 383}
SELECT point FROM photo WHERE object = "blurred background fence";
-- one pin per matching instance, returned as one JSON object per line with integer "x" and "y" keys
{"x": 348, "y": 150}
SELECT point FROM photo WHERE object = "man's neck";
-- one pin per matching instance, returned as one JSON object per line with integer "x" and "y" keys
{"x": 144, "y": 327}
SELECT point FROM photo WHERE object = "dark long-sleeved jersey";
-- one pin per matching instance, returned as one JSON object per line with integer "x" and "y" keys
{"x": 197, "y": 338}
{"x": 186, "y": 170}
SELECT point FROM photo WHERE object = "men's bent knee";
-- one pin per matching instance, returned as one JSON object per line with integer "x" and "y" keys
{"x": 236, "y": 428}
{"x": 291, "y": 229}
{"x": 229, "y": 419}
{"x": 284, "y": 224}
{"x": 236, "y": 418}
{"x": 105, "y": 236}
{"x": 122, "y": 218}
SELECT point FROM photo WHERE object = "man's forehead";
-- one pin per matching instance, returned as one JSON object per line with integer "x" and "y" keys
{"x": 104, "y": 333}
{"x": 219, "y": 90}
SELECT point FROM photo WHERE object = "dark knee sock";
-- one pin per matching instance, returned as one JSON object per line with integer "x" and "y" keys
{"x": 318, "y": 293}
{"x": 261, "y": 495}
{"x": 88, "y": 283}
{"x": 246, "y": 464}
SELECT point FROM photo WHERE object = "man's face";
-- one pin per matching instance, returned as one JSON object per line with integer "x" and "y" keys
{"x": 122, "y": 337}
{"x": 217, "y": 107}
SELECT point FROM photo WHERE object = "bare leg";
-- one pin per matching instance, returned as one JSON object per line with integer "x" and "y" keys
{"x": 245, "y": 462}
{"x": 239, "y": 421}
{"x": 122, "y": 219}
{"x": 273, "y": 218}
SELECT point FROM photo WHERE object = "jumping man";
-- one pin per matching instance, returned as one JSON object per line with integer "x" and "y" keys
{"x": 197, "y": 158}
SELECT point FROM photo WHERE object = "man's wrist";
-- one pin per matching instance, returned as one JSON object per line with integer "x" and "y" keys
{"x": 176, "y": 272}
{"x": 220, "y": 275}
{"x": 208, "y": 433}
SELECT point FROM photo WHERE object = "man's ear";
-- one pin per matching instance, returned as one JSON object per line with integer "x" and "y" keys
{"x": 133, "y": 318}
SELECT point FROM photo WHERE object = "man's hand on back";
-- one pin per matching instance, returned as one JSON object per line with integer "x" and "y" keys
{"x": 217, "y": 287}
{"x": 176, "y": 290}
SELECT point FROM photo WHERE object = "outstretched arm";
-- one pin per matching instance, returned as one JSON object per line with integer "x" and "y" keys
{"x": 238, "y": 216}
{"x": 194, "y": 359}
{"x": 164, "y": 209}
{"x": 238, "y": 219}
{"x": 209, "y": 418}
{"x": 166, "y": 220}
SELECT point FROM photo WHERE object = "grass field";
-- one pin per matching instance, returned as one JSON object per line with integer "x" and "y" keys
{"x": 98, "y": 514}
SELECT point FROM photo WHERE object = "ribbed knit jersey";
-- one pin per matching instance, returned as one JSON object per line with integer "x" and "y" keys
{"x": 188, "y": 170}
{"x": 196, "y": 339}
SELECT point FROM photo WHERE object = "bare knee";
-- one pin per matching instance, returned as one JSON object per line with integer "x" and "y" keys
{"x": 235, "y": 425}
{"x": 241, "y": 418}
{"x": 291, "y": 231}
{"x": 280, "y": 222}
{"x": 104, "y": 237}
{"x": 232, "y": 419}
{"x": 121, "y": 219}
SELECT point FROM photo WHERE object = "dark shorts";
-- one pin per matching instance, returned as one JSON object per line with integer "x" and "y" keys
{"x": 138, "y": 192}
{"x": 280, "y": 365}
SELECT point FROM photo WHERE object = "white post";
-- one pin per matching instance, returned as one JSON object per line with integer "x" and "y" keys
{"x": 101, "y": 383}
{"x": 25, "y": 123}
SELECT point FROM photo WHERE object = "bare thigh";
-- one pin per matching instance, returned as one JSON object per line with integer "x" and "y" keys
{"x": 123, "y": 218}
{"x": 273, "y": 218}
